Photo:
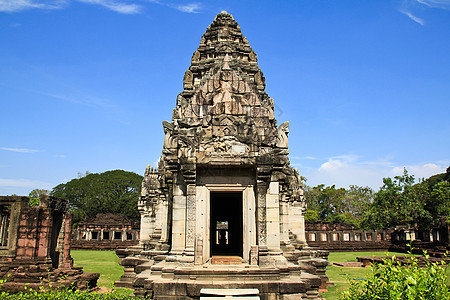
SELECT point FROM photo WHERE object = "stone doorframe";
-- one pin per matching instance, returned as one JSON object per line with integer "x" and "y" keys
{"x": 203, "y": 203}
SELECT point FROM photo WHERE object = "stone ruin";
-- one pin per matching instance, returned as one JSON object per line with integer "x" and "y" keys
{"x": 105, "y": 232}
{"x": 338, "y": 236}
{"x": 35, "y": 246}
{"x": 224, "y": 209}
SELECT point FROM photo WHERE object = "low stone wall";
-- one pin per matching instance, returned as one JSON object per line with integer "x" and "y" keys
{"x": 101, "y": 245}
{"x": 352, "y": 246}
{"x": 344, "y": 237}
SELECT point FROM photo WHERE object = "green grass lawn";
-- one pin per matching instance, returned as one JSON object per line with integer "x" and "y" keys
{"x": 104, "y": 262}
{"x": 339, "y": 275}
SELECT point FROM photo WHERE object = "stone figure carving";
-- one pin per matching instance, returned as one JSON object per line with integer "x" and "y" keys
{"x": 296, "y": 185}
{"x": 283, "y": 132}
{"x": 150, "y": 184}
{"x": 169, "y": 140}
{"x": 188, "y": 80}
{"x": 196, "y": 56}
{"x": 259, "y": 80}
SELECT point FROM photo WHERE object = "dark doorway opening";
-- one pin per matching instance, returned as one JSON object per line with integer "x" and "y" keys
{"x": 226, "y": 223}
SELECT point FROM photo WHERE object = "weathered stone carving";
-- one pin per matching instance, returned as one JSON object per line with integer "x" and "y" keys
{"x": 283, "y": 132}
{"x": 188, "y": 80}
{"x": 195, "y": 56}
{"x": 169, "y": 140}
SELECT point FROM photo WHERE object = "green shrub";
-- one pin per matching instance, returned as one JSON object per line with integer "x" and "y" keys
{"x": 390, "y": 280}
{"x": 65, "y": 294}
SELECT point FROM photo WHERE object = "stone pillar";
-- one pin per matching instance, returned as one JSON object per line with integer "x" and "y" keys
{"x": 249, "y": 222}
{"x": 261, "y": 214}
{"x": 147, "y": 226}
{"x": 284, "y": 221}
{"x": 67, "y": 261}
{"x": 164, "y": 218}
{"x": 190, "y": 220}
{"x": 273, "y": 218}
{"x": 178, "y": 221}
{"x": 297, "y": 223}
{"x": 45, "y": 224}
{"x": 202, "y": 223}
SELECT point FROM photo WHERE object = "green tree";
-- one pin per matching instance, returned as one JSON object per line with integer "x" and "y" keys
{"x": 35, "y": 196}
{"x": 327, "y": 201}
{"x": 342, "y": 205}
{"x": 358, "y": 199}
{"x": 399, "y": 202}
{"x": 441, "y": 196}
{"x": 38, "y": 193}
{"x": 109, "y": 192}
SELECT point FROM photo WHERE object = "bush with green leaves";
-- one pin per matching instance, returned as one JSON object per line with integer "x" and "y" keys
{"x": 391, "y": 280}
{"x": 47, "y": 292}
{"x": 65, "y": 294}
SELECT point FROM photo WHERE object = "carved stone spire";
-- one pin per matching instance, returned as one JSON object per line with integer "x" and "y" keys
{"x": 224, "y": 92}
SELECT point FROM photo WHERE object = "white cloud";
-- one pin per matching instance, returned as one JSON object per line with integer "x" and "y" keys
{"x": 346, "y": 170}
{"x": 189, "y": 8}
{"x": 19, "y": 150}
{"x": 117, "y": 6}
{"x": 420, "y": 170}
{"x": 20, "y": 5}
{"x": 21, "y": 183}
{"x": 302, "y": 157}
{"x": 412, "y": 17}
{"x": 87, "y": 100}
{"x": 444, "y": 4}
{"x": 408, "y": 4}
{"x": 60, "y": 156}
{"x": 192, "y": 8}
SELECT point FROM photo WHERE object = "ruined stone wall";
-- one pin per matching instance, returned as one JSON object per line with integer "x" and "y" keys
{"x": 35, "y": 248}
{"x": 105, "y": 232}
{"x": 344, "y": 237}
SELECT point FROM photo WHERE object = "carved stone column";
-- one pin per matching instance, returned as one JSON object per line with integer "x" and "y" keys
{"x": 261, "y": 213}
{"x": 190, "y": 219}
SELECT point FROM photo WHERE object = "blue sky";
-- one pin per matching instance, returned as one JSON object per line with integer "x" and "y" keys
{"x": 85, "y": 84}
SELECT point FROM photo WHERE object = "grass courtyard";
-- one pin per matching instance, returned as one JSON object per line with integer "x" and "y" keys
{"x": 104, "y": 262}
{"x": 339, "y": 275}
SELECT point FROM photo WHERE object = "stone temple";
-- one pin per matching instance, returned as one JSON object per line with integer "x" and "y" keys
{"x": 224, "y": 209}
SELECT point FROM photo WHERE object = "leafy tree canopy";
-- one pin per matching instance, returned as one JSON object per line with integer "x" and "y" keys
{"x": 114, "y": 192}
{"x": 327, "y": 203}
{"x": 402, "y": 202}
{"x": 35, "y": 196}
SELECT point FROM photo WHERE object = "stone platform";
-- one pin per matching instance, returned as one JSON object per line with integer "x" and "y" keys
{"x": 168, "y": 281}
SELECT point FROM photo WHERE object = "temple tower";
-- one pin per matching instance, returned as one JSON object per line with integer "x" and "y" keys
{"x": 224, "y": 191}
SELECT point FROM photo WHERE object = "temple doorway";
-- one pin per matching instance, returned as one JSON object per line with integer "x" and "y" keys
{"x": 226, "y": 223}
